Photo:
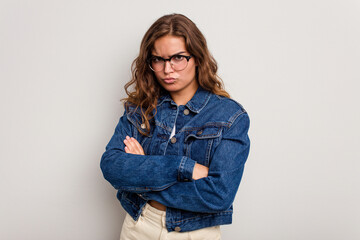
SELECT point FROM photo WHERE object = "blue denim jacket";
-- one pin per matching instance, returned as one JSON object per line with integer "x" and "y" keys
{"x": 210, "y": 130}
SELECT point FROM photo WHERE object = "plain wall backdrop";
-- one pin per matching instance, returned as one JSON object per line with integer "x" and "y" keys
{"x": 294, "y": 65}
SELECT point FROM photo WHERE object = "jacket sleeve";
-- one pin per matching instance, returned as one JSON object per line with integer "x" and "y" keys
{"x": 139, "y": 173}
{"x": 216, "y": 192}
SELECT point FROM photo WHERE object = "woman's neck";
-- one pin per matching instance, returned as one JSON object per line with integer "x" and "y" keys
{"x": 182, "y": 97}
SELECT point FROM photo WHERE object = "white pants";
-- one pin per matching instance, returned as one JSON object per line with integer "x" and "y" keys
{"x": 151, "y": 226}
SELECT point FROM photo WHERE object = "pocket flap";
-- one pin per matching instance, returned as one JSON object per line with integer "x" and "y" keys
{"x": 203, "y": 132}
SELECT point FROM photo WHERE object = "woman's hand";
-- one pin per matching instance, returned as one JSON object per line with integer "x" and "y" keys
{"x": 133, "y": 146}
{"x": 200, "y": 171}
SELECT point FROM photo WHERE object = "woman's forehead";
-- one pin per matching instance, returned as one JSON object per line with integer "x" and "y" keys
{"x": 169, "y": 45}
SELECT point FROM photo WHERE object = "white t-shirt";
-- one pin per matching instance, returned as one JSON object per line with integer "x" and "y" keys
{"x": 173, "y": 132}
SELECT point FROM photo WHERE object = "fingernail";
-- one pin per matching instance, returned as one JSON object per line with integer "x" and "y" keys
{"x": 127, "y": 137}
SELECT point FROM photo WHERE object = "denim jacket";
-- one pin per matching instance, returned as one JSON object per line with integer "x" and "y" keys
{"x": 210, "y": 130}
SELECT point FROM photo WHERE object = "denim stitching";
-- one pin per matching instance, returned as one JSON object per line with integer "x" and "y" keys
{"x": 208, "y": 150}
{"x": 208, "y": 216}
{"x": 181, "y": 167}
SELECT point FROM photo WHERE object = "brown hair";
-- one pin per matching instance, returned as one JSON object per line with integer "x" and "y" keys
{"x": 147, "y": 90}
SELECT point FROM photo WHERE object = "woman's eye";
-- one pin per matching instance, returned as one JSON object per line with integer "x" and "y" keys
{"x": 178, "y": 57}
{"x": 156, "y": 60}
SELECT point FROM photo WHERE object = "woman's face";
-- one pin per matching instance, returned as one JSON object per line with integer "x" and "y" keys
{"x": 180, "y": 84}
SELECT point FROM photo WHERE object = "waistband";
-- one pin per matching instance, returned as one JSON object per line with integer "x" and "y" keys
{"x": 155, "y": 215}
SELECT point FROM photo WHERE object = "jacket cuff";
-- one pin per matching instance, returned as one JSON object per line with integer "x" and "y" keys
{"x": 186, "y": 169}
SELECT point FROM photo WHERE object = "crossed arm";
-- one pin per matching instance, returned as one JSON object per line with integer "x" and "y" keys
{"x": 213, "y": 189}
{"x": 132, "y": 146}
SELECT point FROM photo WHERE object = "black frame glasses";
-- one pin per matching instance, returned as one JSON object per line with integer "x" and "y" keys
{"x": 173, "y": 65}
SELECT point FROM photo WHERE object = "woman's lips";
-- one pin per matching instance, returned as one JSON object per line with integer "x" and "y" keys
{"x": 169, "y": 80}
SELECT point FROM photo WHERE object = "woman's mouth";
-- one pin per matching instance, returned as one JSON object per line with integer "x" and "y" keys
{"x": 169, "y": 80}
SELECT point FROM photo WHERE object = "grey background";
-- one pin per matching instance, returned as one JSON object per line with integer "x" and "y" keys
{"x": 294, "y": 65}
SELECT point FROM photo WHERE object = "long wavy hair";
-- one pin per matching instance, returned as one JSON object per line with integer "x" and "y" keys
{"x": 147, "y": 90}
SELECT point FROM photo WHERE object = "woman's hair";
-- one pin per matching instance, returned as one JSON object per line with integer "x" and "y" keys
{"x": 146, "y": 88}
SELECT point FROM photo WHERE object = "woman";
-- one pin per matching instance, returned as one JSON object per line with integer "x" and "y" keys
{"x": 178, "y": 152}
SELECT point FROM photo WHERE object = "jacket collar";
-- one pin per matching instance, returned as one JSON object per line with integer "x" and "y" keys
{"x": 197, "y": 102}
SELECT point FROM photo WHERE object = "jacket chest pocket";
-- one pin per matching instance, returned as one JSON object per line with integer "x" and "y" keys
{"x": 200, "y": 143}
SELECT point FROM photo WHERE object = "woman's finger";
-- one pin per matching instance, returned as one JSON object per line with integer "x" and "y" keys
{"x": 138, "y": 148}
{"x": 129, "y": 145}
{"x": 127, "y": 150}
{"x": 133, "y": 146}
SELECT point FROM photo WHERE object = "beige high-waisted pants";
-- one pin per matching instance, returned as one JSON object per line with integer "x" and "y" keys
{"x": 151, "y": 226}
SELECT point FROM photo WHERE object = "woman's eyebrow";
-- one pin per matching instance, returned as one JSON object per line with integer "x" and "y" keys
{"x": 181, "y": 52}
{"x": 178, "y": 53}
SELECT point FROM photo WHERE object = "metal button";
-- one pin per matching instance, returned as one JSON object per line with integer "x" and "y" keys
{"x": 177, "y": 229}
{"x": 199, "y": 132}
{"x": 143, "y": 126}
{"x": 173, "y": 140}
{"x": 186, "y": 112}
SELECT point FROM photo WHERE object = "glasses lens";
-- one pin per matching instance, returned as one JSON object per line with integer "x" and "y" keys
{"x": 157, "y": 64}
{"x": 179, "y": 62}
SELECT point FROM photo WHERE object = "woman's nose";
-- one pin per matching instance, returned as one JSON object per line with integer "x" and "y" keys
{"x": 168, "y": 67}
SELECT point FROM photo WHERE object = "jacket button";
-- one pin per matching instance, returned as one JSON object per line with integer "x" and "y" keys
{"x": 173, "y": 140}
{"x": 177, "y": 229}
{"x": 199, "y": 132}
{"x": 186, "y": 112}
{"x": 143, "y": 126}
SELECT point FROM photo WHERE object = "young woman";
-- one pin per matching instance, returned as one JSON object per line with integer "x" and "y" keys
{"x": 178, "y": 152}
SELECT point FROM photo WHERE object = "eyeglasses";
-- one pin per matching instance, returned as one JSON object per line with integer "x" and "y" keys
{"x": 178, "y": 62}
